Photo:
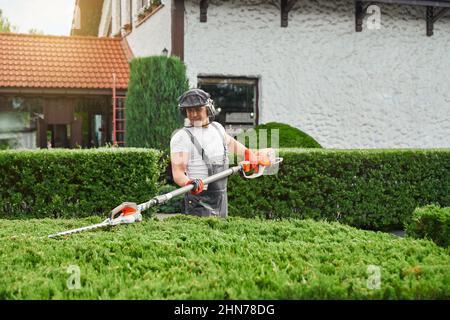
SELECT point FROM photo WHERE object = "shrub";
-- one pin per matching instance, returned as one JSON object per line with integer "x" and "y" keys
{"x": 175, "y": 205}
{"x": 289, "y": 137}
{"x": 75, "y": 183}
{"x": 197, "y": 258}
{"x": 432, "y": 222}
{"x": 151, "y": 113}
{"x": 372, "y": 189}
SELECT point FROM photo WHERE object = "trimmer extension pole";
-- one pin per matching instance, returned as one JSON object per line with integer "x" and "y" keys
{"x": 178, "y": 192}
{"x": 136, "y": 214}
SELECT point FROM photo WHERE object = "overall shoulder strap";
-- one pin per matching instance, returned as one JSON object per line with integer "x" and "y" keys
{"x": 200, "y": 150}
{"x": 222, "y": 135}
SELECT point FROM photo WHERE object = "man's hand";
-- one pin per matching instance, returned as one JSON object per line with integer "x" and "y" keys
{"x": 198, "y": 185}
{"x": 252, "y": 157}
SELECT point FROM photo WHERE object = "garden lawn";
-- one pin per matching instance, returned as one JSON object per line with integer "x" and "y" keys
{"x": 194, "y": 258}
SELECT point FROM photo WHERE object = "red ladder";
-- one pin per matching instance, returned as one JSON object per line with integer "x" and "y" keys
{"x": 118, "y": 134}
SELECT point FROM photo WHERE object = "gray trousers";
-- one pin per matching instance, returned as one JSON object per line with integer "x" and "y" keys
{"x": 212, "y": 202}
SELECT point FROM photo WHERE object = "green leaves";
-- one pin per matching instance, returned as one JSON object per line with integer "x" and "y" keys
{"x": 371, "y": 189}
{"x": 288, "y": 137}
{"x": 197, "y": 258}
{"x": 152, "y": 107}
{"x": 75, "y": 183}
{"x": 431, "y": 222}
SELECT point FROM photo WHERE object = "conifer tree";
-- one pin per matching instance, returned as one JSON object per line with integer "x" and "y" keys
{"x": 152, "y": 106}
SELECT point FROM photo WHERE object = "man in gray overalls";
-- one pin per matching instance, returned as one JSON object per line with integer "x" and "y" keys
{"x": 200, "y": 150}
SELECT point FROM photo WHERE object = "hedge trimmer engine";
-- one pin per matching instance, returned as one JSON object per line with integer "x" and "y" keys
{"x": 127, "y": 212}
{"x": 130, "y": 212}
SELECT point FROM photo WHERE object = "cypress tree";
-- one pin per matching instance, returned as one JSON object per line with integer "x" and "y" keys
{"x": 151, "y": 106}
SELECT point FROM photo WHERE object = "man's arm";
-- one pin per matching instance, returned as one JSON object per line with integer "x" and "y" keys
{"x": 179, "y": 167}
{"x": 235, "y": 146}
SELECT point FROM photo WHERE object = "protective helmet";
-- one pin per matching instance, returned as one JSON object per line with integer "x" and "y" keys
{"x": 196, "y": 98}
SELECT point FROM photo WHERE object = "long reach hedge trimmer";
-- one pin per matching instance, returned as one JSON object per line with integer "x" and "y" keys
{"x": 129, "y": 212}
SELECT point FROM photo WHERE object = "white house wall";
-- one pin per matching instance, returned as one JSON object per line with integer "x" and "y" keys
{"x": 153, "y": 35}
{"x": 105, "y": 19}
{"x": 116, "y": 15}
{"x": 384, "y": 88}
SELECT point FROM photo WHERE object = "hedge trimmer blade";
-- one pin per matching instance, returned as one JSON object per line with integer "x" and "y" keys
{"x": 92, "y": 227}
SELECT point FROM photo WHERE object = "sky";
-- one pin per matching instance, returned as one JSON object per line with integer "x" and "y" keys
{"x": 53, "y": 17}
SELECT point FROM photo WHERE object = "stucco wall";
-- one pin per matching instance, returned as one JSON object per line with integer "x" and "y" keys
{"x": 152, "y": 36}
{"x": 374, "y": 89}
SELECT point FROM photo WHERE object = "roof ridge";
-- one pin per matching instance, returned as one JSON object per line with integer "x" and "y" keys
{"x": 59, "y": 36}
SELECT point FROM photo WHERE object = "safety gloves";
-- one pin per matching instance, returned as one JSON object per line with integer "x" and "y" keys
{"x": 250, "y": 163}
{"x": 252, "y": 160}
{"x": 198, "y": 185}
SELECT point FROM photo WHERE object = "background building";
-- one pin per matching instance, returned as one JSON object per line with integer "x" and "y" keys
{"x": 304, "y": 63}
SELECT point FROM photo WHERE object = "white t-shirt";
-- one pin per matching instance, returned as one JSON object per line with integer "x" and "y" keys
{"x": 210, "y": 139}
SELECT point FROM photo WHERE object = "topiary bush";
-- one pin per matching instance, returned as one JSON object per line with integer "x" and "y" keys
{"x": 289, "y": 137}
{"x": 151, "y": 106}
{"x": 75, "y": 183}
{"x": 431, "y": 222}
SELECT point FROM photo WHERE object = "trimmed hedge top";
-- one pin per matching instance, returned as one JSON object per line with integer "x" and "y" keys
{"x": 75, "y": 183}
{"x": 208, "y": 258}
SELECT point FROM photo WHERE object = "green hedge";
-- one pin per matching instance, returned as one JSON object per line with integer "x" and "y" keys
{"x": 372, "y": 189}
{"x": 431, "y": 222}
{"x": 75, "y": 183}
{"x": 207, "y": 258}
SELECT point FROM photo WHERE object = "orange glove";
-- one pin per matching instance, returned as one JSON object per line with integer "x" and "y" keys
{"x": 198, "y": 185}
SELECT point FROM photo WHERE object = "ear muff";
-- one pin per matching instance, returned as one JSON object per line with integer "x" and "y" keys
{"x": 182, "y": 110}
{"x": 211, "y": 109}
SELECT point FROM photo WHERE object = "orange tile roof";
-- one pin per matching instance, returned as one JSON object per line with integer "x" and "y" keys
{"x": 37, "y": 61}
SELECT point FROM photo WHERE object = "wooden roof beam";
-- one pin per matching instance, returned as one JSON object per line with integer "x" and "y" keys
{"x": 285, "y": 7}
{"x": 204, "y": 10}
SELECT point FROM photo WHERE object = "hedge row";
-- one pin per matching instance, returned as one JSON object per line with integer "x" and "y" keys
{"x": 431, "y": 222}
{"x": 372, "y": 189}
{"x": 75, "y": 183}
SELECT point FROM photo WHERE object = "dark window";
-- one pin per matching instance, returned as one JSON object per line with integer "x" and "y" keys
{"x": 236, "y": 99}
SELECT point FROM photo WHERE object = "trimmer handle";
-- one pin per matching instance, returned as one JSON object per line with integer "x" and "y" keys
{"x": 266, "y": 158}
{"x": 245, "y": 167}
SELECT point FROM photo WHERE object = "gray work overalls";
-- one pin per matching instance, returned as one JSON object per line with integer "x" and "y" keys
{"x": 212, "y": 202}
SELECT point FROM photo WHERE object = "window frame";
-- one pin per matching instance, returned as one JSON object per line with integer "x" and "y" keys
{"x": 217, "y": 79}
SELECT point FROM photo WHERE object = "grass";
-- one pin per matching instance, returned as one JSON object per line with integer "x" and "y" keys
{"x": 192, "y": 258}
